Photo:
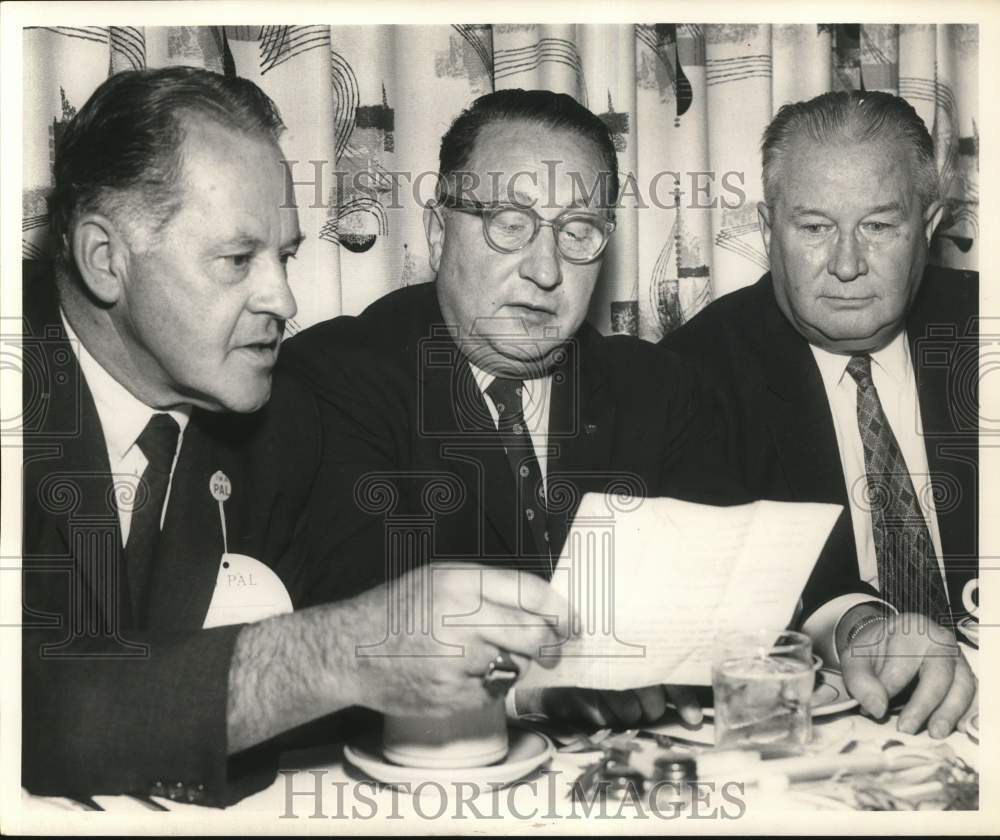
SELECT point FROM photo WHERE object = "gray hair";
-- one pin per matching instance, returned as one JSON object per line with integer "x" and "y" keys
{"x": 857, "y": 116}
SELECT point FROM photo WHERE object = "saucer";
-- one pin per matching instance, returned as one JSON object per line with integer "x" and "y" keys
{"x": 829, "y": 697}
{"x": 970, "y": 629}
{"x": 528, "y": 750}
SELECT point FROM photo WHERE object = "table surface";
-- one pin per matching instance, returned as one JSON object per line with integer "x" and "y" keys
{"x": 346, "y": 791}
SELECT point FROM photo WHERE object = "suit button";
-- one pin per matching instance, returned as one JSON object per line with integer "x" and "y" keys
{"x": 524, "y": 471}
{"x": 518, "y": 429}
{"x": 529, "y": 513}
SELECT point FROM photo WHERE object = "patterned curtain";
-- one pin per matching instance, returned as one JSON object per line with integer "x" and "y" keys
{"x": 366, "y": 107}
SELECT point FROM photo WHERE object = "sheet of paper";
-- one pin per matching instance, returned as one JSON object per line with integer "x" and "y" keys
{"x": 653, "y": 581}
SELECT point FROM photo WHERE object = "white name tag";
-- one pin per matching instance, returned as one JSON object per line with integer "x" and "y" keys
{"x": 246, "y": 590}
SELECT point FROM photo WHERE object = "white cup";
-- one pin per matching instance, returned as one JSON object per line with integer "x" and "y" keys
{"x": 470, "y": 738}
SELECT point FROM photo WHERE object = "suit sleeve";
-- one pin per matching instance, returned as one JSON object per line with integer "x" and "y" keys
{"x": 146, "y": 717}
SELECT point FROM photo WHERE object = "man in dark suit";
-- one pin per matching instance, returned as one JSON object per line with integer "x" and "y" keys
{"x": 850, "y": 373}
{"x": 161, "y": 498}
{"x": 477, "y": 410}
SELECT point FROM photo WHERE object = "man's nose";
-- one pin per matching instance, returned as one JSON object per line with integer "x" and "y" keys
{"x": 272, "y": 294}
{"x": 540, "y": 260}
{"x": 847, "y": 262}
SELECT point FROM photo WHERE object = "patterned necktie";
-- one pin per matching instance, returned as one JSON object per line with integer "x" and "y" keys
{"x": 506, "y": 396}
{"x": 908, "y": 573}
{"x": 158, "y": 443}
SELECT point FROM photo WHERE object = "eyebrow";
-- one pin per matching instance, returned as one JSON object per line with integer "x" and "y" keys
{"x": 242, "y": 239}
{"x": 891, "y": 207}
{"x": 525, "y": 200}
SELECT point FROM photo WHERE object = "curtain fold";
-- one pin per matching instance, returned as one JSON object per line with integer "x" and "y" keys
{"x": 366, "y": 106}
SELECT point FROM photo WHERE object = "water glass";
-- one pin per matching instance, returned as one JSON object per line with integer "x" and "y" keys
{"x": 763, "y": 682}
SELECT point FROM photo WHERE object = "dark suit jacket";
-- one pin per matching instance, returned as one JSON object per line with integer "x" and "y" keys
{"x": 780, "y": 428}
{"x": 420, "y": 455}
{"x": 108, "y": 708}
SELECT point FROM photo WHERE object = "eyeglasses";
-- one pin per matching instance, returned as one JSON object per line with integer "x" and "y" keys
{"x": 581, "y": 236}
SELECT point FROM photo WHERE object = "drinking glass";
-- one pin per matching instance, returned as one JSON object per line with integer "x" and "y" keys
{"x": 763, "y": 681}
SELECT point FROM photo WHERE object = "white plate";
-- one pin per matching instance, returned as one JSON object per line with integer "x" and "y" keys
{"x": 972, "y": 727}
{"x": 829, "y": 697}
{"x": 528, "y": 750}
{"x": 970, "y": 629}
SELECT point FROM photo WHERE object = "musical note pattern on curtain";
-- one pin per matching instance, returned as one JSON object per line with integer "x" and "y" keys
{"x": 365, "y": 108}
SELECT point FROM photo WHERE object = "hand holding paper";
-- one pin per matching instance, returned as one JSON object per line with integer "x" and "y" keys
{"x": 653, "y": 581}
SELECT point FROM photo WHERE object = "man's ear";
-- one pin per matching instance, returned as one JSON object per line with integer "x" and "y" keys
{"x": 434, "y": 231}
{"x": 101, "y": 256}
{"x": 932, "y": 218}
{"x": 764, "y": 215}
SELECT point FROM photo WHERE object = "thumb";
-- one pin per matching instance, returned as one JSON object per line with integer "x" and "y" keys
{"x": 863, "y": 684}
{"x": 687, "y": 704}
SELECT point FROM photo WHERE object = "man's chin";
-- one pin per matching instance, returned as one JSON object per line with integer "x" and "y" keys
{"x": 852, "y": 338}
{"x": 235, "y": 402}
{"x": 521, "y": 361}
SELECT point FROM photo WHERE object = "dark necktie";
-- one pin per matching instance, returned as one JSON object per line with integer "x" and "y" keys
{"x": 506, "y": 396}
{"x": 908, "y": 573}
{"x": 158, "y": 443}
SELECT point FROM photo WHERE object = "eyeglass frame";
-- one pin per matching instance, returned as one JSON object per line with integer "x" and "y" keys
{"x": 488, "y": 210}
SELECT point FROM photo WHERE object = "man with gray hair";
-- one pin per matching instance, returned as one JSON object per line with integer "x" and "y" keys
{"x": 852, "y": 378}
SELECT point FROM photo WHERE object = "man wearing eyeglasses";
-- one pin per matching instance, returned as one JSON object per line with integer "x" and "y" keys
{"x": 477, "y": 410}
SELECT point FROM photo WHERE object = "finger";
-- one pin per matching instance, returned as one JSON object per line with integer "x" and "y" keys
{"x": 863, "y": 685}
{"x": 574, "y": 704}
{"x": 624, "y": 707}
{"x": 937, "y": 673}
{"x": 527, "y": 593}
{"x": 478, "y": 658}
{"x": 973, "y": 709}
{"x": 956, "y": 703}
{"x": 653, "y": 701}
{"x": 536, "y": 642}
{"x": 687, "y": 703}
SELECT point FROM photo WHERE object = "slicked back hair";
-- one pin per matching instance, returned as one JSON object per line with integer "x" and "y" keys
{"x": 121, "y": 155}
{"x": 852, "y": 116}
{"x": 556, "y": 111}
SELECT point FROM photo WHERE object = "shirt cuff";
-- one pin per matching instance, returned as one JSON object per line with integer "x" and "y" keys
{"x": 510, "y": 704}
{"x": 822, "y": 625}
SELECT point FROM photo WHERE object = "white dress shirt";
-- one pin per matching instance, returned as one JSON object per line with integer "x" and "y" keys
{"x": 892, "y": 374}
{"x": 893, "y": 377}
{"x": 535, "y": 406}
{"x": 535, "y": 402}
{"x": 123, "y": 417}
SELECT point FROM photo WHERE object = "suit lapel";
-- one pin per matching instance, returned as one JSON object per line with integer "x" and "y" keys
{"x": 797, "y": 410}
{"x": 478, "y": 444}
{"x": 952, "y": 452}
{"x": 581, "y": 427}
{"x": 67, "y": 459}
{"x": 456, "y": 430}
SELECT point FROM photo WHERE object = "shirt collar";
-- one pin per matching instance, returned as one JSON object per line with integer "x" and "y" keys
{"x": 532, "y": 387}
{"x": 123, "y": 416}
{"x": 893, "y": 360}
